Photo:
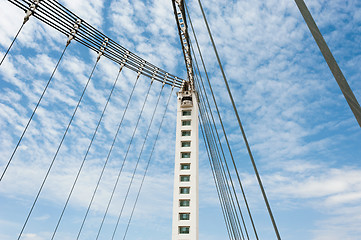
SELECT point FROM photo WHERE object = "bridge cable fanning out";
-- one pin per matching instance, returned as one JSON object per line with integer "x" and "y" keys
{"x": 109, "y": 152}
{"x": 217, "y": 160}
{"x": 124, "y": 160}
{"x": 78, "y": 30}
{"x": 58, "y": 149}
{"x": 137, "y": 163}
{"x": 240, "y": 125}
{"x": 148, "y": 163}
{"x": 220, "y": 178}
{"x": 216, "y": 144}
{"x": 207, "y": 108}
{"x": 223, "y": 129}
{"x": 87, "y": 151}
{"x": 222, "y": 125}
{"x": 62, "y": 19}
{"x": 225, "y": 216}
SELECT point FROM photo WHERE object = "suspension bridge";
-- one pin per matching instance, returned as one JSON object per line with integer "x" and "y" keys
{"x": 85, "y": 136}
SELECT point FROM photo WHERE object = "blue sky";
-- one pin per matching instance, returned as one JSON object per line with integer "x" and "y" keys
{"x": 303, "y": 135}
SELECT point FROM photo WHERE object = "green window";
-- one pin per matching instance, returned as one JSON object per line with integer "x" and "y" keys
{"x": 186, "y": 113}
{"x": 186, "y": 133}
{"x": 185, "y": 166}
{"x": 185, "y": 178}
{"x": 186, "y": 122}
{"x": 184, "y": 216}
{"x": 184, "y": 203}
{"x": 186, "y": 144}
{"x": 186, "y": 155}
{"x": 184, "y": 190}
{"x": 183, "y": 230}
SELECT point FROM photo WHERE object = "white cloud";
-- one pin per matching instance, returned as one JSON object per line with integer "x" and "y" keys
{"x": 302, "y": 133}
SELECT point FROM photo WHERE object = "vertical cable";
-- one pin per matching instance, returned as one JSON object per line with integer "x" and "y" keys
{"x": 218, "y": 179}
{"x": 217, "y": 146}
{"x": 225, "y": 189}
{"x": 215, "y": 182}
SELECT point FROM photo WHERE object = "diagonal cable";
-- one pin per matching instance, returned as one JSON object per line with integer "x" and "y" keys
{"x": 109, "y": 153}
{"x": 214, "y": 157}
{"x": 87, "y": 152}
{"x": 241, "y": 128}
{"x": 136, "y": 166}
{"x": 223, "y": 129}
{"x": 202, "y": 87}
{"x": 120, "y": 170}
{"x": 221, "y": 122}
{"x": 330, "y": 60}
{"x": 225, "y": 189}
{"x": 33, "y": 113}
{"x": 148, "y": 163}
{"x": 215, "y": 182}
{"x": 7, "y": 51}
{"x": 57, "y": 151}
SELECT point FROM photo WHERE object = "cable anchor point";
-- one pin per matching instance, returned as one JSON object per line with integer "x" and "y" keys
{"x": 141, "y": 68}
{"x": 103, "y": 47}
{"x": 31, "y": 10}
{"x": 74, "y": 31}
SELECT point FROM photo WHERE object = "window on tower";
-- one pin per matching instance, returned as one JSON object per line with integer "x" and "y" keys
{"x": 186, "y": 113}
{"x": 186, "y": 155}
{"x": 184, "y": 190}
{"x": 184, "y": 203}
{"x": 185, "y": 166}
{"x": 186, "y": 122}
{"x": 186, "y": 133}
{"x": 184, "y": 216}
{"x": 185, "y": 178}
{"x": 183, "y": 230}
{"x": 186, "y": 144}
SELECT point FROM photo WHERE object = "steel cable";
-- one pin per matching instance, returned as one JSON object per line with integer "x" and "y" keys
{"x": 57, "y": 151}
{"x": 7, "y": 51}
{"x": 241, "y": 127}
{"x": 215, "y": 182}
{"x": 136, "y": 165}
{"x": 229, "y": 214}
{"x": 124, "y": 159}
{"x": 222, "y": 156}
{"x": 87, "y": 152}
{"x": 330, "y": 60}
{"x": 109, "y": 153}
{"x": 222, "y": 125}
{"x": 148, "y": 163}
{"x": 61, "y": 18}
{"x": 220, "y": 171}
{"x": 202, "y": 87}
{"x": 33, "y": 113}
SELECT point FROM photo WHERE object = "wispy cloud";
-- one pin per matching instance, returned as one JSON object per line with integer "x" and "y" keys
{"x": 302, "y": 133}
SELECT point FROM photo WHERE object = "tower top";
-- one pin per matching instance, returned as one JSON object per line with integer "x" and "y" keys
{"x": 179, "y": 12}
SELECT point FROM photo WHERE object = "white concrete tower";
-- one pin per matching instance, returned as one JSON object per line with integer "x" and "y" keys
{"x": 185, "y": 196}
